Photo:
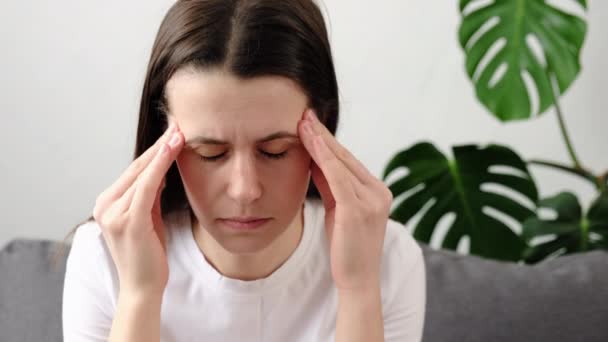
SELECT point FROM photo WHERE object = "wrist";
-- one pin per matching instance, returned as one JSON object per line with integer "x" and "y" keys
{"x": 368, "y": 287}
{"x": 362, "y": 296}
{"x": 137, "y": 317}
{"x": 140, "y": 298}
{"x": 360, "y": 316}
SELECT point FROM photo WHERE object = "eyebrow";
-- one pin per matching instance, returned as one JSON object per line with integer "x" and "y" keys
{"x": 211, "y": 141}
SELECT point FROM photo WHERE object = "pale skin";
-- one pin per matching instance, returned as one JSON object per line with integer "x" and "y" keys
{"x": 357, "y": 208}
{"x": 250, "y": 121}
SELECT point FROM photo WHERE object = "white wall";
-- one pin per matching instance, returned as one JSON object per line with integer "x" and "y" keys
{"x": 72, "y": 73}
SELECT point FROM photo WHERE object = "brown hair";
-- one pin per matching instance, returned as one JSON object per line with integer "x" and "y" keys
{"x": 246, "y": 38}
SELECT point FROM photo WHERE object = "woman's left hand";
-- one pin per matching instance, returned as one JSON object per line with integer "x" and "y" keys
{"x": 357, "y": 207}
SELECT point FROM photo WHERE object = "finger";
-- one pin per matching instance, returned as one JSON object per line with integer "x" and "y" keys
{"x": 322, "y": 186}
{"x": 156, "y": 207}
{"x": 352, "y": 163}
{"x": 128, "y": 177}
{"x": 339, "y": 178}
{"x": 123, "y": 203}
{"x": 152, "y": 176}
{"x": 157, "y": 217}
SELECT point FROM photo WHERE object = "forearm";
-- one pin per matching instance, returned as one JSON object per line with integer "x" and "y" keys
{"x": 360, "y": 317}
{"x": 137, "y": 318}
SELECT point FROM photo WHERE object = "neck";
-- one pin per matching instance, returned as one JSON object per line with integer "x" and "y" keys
{"x": 250, "y": 267}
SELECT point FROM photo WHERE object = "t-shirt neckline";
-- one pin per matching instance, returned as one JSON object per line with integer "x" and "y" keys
{"x": 200, "y": 268}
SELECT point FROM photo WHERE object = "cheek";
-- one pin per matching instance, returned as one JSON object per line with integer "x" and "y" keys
{"x": 302, "y": 162}
{"x": 295, "y": 170}
{"x": 189, "y": 166}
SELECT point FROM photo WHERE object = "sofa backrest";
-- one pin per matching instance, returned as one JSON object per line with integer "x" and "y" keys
{"x": 468, "y": 298}
{"x": 479, "y": 300}
{"x": 31, "y": 288}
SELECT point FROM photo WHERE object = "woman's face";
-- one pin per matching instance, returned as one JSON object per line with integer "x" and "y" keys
{"x": 258, "y": 165}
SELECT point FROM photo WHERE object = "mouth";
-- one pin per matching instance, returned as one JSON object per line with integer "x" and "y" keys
{"x": 244, "y": 218}
{"x": 244, "y": 222}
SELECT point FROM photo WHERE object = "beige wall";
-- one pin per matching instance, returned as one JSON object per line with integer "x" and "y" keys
{"x": 72, "y": 73}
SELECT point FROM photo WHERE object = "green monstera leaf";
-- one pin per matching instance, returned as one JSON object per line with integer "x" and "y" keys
{"x": 435, "y": 186}
{"x": 570, "y": 231}
{"x": 498, "y": 40}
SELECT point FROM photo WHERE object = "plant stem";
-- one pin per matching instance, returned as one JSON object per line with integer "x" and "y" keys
{"x": 584, "y": 225}
{"x": 562, "y": 126}
{"x": 600, "y": 182}
{"x": 581, "y": 172}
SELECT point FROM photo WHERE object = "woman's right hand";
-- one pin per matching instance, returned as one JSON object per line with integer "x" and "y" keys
{"x": 129, "y": 215}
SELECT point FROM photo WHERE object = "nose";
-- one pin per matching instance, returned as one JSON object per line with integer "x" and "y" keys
{"x": 244, "y": 186}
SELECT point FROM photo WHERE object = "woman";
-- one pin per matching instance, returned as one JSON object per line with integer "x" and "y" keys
{"x": 241, "y": 217}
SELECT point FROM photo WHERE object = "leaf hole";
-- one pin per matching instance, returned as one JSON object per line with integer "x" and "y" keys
{"x": 407, "y": 194}
{"x": 570, "y": 7}
{"x": 464, "y": 245}
{"x": 594, "y": 237}
{"x": 547, "y": 214}
{"x": 536, "y": 47}
{"x": 532, "y": 91}
{"x": 537, "y": 240}
{"x": 442, "y": 228}
{"x": 510, "y": 222}
{"x": 485, "y": 27}
{"x": 498, "y": 74}
{"x": 397, "y": 174}
{"x": 498, "y": 45}
{"x": 507, "y": 170}
{"x": 475, "y": 6}
{"x": 414, "y": 220}
{"x": 505, "y": 191}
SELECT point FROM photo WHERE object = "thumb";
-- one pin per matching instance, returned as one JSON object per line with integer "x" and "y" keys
{"x": 321, "y": 183}
{"x": 157, "y": 217}
{"x": 156, "y": 208}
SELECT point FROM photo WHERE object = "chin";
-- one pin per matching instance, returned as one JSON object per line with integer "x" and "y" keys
{"x": 243, "y": 248}
{"x": 243, "y": 244}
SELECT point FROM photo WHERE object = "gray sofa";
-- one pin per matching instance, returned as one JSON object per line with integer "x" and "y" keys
{"x": 468, "y": 298}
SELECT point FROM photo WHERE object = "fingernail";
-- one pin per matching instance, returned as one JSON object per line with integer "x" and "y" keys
{"x": 310, "y": 115}
{"x": 171, "y": 127}
{"x": 308, "y": 128}
{"x": 163, "y": 149}
{"x": 174, "y": 140}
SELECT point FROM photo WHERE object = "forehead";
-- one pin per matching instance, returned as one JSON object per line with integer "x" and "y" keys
{"x": 218, "y": 105}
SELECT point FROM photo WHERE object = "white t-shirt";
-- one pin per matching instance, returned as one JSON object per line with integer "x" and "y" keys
{"x": 296, "y": 303}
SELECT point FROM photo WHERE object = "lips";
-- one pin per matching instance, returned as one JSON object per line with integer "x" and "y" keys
{"x": 245, "y": 223}
{"x": 245, "y": 219}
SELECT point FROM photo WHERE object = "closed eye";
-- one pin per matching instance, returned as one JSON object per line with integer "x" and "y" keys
{"x": 265, "y": 154}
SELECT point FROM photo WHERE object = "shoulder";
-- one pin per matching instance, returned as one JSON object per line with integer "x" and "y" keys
{"x": 89, "y": 254}
{"x": 88, "y": 239}
{"x": 89, "y": 292}
{"x": 403, "y": 268}
{"x": 403, "y": 285}
{"x": 401, "y": 250}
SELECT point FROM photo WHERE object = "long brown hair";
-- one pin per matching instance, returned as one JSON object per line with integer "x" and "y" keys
{"x": 247, "y": 38}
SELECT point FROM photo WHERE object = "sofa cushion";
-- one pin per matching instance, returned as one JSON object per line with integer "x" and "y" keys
{"x": 474, "y": 299}
{"x": 468, "y": 298}
{"x": 31, "y": 288}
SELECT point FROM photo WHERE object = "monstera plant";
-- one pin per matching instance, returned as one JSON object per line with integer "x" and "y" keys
{"x": 510, "y": 46}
